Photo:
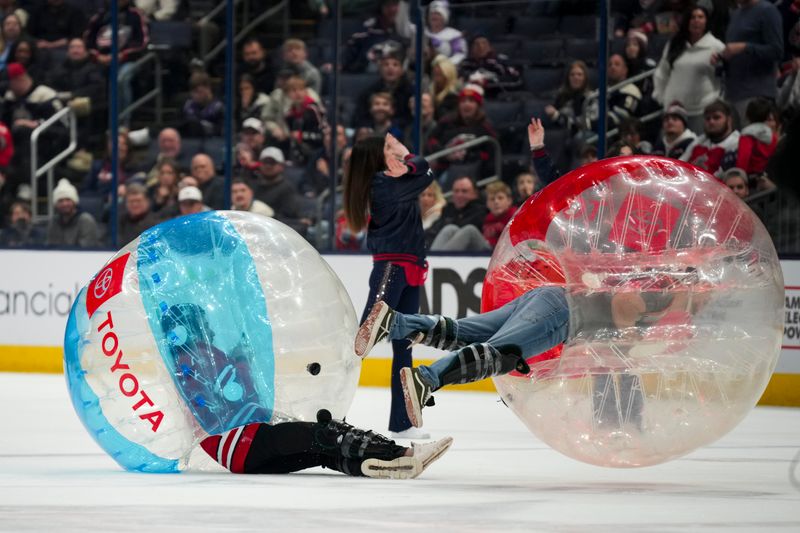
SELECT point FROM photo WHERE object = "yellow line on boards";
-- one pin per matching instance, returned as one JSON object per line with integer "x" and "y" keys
{"x": 783, "y": 389}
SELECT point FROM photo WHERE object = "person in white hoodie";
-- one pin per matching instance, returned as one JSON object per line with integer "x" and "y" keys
{"x": 676, "y": 135}
{"x": 685, "y": 73}
{"x": 444, "y": 39}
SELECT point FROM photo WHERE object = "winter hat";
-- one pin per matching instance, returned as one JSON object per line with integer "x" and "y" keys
{"x": 441, "y": 7}
{"x": 473, "y": 91}
{"x": 15, "y": 70}
{"x": 676, "y": 109}
{"x": 65, "y": 189}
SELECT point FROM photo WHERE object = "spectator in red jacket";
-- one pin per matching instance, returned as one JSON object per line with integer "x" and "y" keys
{"x": 501, "y": 210}
{"x": 305, "y": 121}
{"x": 757, "y": 142}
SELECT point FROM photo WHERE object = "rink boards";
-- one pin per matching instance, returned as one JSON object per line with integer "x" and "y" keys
{"x": 37, "y": 289}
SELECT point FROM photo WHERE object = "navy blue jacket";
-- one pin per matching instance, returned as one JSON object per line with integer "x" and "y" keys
{"x": 395, "y": 225}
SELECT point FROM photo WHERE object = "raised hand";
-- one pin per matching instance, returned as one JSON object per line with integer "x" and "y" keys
{"x": 535, "y": 134}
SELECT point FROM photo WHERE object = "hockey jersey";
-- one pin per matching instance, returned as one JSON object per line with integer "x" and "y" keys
{"x": 713, "y": 157}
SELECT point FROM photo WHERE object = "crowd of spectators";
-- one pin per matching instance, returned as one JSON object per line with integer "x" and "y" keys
{"x": 711, "y": 82}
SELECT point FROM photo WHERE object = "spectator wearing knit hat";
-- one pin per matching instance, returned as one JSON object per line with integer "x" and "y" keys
{"x": 485, "y": 66}
{"x": 685, "y": 73}
{"x": 467, "y": 123}
{"x": 444, "y": 39}
{"x": 676, "y": 134}
{"x": 70, "y": 226}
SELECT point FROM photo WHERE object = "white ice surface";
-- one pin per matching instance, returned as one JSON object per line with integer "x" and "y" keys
{"x": 497, "y": 477}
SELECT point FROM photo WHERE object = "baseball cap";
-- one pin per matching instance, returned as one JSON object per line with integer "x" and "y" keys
{"x": 253, "y": 123}
{"x": 272, "y": 152}
{"x": 190, "y": 194}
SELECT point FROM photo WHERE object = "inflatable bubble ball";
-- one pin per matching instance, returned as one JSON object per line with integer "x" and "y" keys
{"x": 202, "y": 324}
{"x": 675, "y": 295}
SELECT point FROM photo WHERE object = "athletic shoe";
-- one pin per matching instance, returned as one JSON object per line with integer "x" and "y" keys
{"x": 411, "y": 433}
{"x": 374, "y": 329}
{"x": 416, "y": 392}
{"x": 407, "y": 467}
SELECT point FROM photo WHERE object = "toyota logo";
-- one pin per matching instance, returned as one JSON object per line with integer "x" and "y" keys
{"x": 103, "y": 283}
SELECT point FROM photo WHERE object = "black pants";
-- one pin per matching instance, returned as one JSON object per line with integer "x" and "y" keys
{"x": 285, "y": 448}
{"x": 388, "y": 282}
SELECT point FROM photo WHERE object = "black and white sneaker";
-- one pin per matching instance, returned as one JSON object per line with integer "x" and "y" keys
{"x": 374, "y": 329}
{"x": 417, "y": 393}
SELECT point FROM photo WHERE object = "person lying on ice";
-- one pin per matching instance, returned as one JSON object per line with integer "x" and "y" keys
{"x": 498, "y": 342}
{"x": 219, "y": 389}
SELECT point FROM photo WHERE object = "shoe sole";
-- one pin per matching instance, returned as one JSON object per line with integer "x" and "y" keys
{"x": 400, "y": 468}
{"x": 413, "y": 408}
{"x": 367, "y": 334}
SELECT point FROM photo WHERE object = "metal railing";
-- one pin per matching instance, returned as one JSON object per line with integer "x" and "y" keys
{"x": 204, "y": 22}
{"x": 156, "y": 93}
{"x": 616, "y": 88}
{"x": 241, "y": 34}
{"x": 36, "y": 171}
{"x": 486, "y": 139}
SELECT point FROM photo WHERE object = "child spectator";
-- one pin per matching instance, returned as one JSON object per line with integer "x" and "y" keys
{"x": 630, "y": 131}
{"x": 501, "y": 209}
{"x": 757, "y": 141}
{"x": 525, "y": 185}
{"x": 305, "y": 121}
{"x": 736, "y": 180}
{"x": 295, "y": 57}
{"x": 203, "y": 115}
{"x": 444, "y": 39}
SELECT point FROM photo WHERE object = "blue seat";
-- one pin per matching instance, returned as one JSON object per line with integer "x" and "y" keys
{"x": 584, "y": 26}
{"x": 353, "y": 85}
{"x": 170, "y": 34}
{"x": 534, "y": 27}
{"x": 543, "y": 80}
{"x": 490, "y": 26}
{"x": 501, "y": 113}
{"x": 583, "y": 49}
{"x": 543, "y": 52}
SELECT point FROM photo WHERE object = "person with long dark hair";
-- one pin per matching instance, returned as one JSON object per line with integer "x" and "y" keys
{"x": 685, "y": 73}
{"x": 571, "y": 97}
{"x": 381, "y": 192}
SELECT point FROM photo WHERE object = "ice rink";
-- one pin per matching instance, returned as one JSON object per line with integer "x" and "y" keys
{"x": 496, "y": 477}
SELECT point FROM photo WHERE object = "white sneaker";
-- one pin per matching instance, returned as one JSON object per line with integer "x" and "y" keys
{"x": 411, "y": 433}
{"x": 374, "y": 329}
{"x": 407, "y": 467}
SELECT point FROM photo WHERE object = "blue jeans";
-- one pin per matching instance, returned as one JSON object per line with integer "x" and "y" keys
{"x": 535, "y": 322}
